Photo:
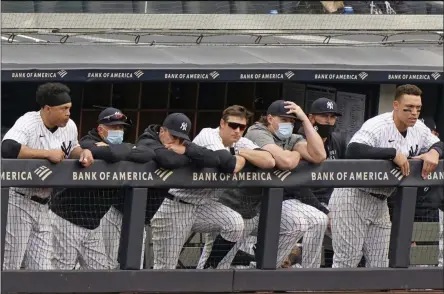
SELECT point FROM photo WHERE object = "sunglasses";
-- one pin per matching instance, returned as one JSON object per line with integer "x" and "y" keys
{"x": 235, "y": 126}
{"x": 115, "y": 117}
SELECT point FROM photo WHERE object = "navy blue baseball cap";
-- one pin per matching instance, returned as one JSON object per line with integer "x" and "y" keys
{"x": 277, "y": 108}
{"x": 178, "y": 125}
{"x": 112, "y": 117}
{"x": 429, "y": 122}
{"x": 324, "y": 105}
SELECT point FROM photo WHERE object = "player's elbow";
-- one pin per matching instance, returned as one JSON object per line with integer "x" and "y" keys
{"x": 319, "y": 158}
{"x": 286, "y": 164}
{"x": 10, "y": 149}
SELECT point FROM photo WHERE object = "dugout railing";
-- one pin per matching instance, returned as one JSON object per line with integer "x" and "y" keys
{"x": 138, "y": 178}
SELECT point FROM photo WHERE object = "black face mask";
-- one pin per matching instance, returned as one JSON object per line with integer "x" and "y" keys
{"x": 324, "y": 130}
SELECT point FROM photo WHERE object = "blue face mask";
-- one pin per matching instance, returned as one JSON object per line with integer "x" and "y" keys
{"x": 285, "y": 130}
{"x": 115, "y": 137}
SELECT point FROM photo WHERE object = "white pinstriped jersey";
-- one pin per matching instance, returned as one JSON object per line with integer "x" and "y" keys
{"x": 30, "y": 130}
{"x": 210, "y": 139}
{"x": 380, "y": 131}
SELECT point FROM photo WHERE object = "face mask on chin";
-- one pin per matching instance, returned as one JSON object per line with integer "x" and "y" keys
{"x": 114, "y": 137}
{"x": 324, "y": 130}
{"x": 284, "y": 131}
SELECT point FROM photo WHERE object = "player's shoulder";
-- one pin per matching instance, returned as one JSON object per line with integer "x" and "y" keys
{"x": 421, "y": 127}
{"x": 29, "y": 119}
{"x": 70, "y": 128}
{"x": 208, "y": 132}
{"x": 380, "y": 121}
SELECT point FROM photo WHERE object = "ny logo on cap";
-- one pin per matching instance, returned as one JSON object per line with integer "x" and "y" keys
{"x": 184, "y": 126}
{"x": 330, "y": 105}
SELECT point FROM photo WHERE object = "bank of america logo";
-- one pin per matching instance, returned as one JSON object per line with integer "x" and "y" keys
{"x": 435, "y": 75}
{"x": 289, "y": 74}
{"x": 214, "y": 74}
{"x": 43, "y": 172}
{"x": 282, "y": 174}
{"x": 163, "y": 173}
{"x": 62, "y": 73}
{"x": 397, "y": 173}
{"x": 138, "y": 73}
{"x": 363, "y": 75}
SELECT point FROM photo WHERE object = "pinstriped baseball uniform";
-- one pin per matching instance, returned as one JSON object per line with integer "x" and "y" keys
{"x": 361, "y": 221}
{"x": 29, "y": 228}
{"x": 194, "y": 210}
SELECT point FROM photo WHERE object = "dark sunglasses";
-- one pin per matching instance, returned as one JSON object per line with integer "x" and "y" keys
{"x": 234, "y": 126}
{"x": 115, "y": 117}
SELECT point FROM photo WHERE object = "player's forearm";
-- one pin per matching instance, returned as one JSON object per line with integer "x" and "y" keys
{"x": 315, "y": 145}
{"x": 28, "y": 153}
{"x": 439, "y": 148}
{"x": 287, "y": 160}
{"x": 75, "y": 153}
{"x": 363, "y": 151}
{"x": 261, "y": 159}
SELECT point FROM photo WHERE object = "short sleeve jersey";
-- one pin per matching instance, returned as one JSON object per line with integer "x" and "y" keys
{"x": 210, "y": 139}
{"x": 380, "y": 131}
{"x": 30, "y": 130}
{"x": 261, "y": 136}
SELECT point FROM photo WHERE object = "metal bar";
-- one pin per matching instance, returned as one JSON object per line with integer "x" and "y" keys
{"x": 269, "y": 227}
{"x": 133, "y": 224}
{"x": 218, "y": 281}
{"x": 402, "y": 227}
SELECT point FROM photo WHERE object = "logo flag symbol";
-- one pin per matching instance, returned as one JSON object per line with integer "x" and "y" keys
{"x": 62, "y": 73}
{"x": 363, "y": 75}
{"x": 43, "y": 172}
{"x": 397, "y": 173}
{"x": 163, "y": 173}
{"x": 289, "y": 74}
{"x": 214, "y": 74}
{"x": 138, "y": 73}
{"x": 435, "y": 75}
{"x": 282, "y": 174}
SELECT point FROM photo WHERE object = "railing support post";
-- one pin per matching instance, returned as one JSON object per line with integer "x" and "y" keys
{"x": 402, "y": 227}
{"x": 133, "y": 225}
{"x": 269, "y": 228}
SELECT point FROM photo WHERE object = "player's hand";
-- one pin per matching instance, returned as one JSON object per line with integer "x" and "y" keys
{"x": 403, "y": 163}
{"x": 430, "y": 162}
{"x": 295, "y": 109}
{"x": 55, "y": 155}
{"x": 329, "y": 221}
{"x": 178, "y": 148}
{"x": 101, "y": 144}
{"x": 86, "y": 158}
{"x": 240, "y": 163}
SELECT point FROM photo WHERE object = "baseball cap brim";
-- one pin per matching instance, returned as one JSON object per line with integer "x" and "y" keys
{"x": 179, "y": 134}
{"x": 114, "y": 123}
{"x": 324, "y": 112}
{"x": 284, "y": 115}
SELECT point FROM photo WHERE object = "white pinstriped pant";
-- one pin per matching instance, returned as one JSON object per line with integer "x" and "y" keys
{"x": 360, "y": 224}
{"x": 28, "y": 239}
{"x": 298, "y": 220}
{"x": 75, "y": 244}
{"x": 441, "y": 238}
{"x": 111, "y": 224}
{"x": 174, "y": 221}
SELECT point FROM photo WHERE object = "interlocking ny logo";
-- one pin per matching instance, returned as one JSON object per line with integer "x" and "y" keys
{"x": 163, "y": 173}
{"x": 214, "y": 74}
{"x": 62, "y": 73}
{"x": 138, "y": 73}
{"x": 397, "y": 173}
{"x": 282, "y": 174}
{"x": 184, "y": 126}
{"x": 435, "y": 75}
{"x": 289, "y": 74}
{"x": 363, "y": 75}
{"x": 330, "y": 105}
{"x": 43, "y": 172}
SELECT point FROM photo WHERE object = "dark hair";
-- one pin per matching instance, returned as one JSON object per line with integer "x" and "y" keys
{"x": 49, "y": 90}
{"x": 237, "y": 110}
{"x": 263, "y": 120}
{"x": 407, "y": 90}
